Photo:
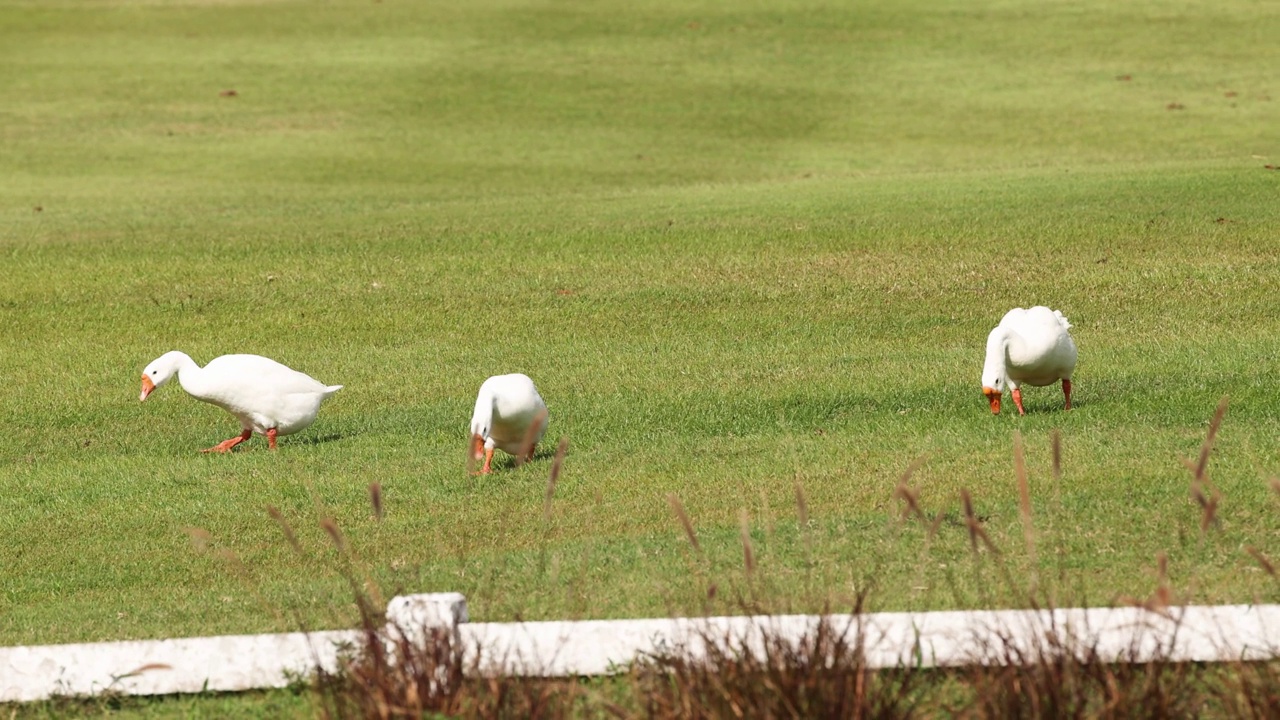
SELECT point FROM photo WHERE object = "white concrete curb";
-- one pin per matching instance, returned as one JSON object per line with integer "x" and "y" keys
{"x": 162, "y": 667}
{"x": 932, "y": 639}
{"x": 596, "y": 647}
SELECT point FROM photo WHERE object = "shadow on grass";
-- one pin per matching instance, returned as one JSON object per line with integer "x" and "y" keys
{"x": 505, "y": 462}
{"x": 321, "y": 439}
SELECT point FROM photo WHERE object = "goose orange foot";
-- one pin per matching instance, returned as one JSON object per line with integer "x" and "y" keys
{"x": 488, "y": 459}
{"x": 226, "y": 445}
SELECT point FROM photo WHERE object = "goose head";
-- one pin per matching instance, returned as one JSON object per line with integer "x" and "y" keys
{"x": 480, "y": 423}
{"x": 993, "y": 397}
{"x": 994, "y": 377}
{"x": 159, "y": 372}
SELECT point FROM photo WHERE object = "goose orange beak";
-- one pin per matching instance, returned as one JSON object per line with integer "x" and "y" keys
{"x": 147, "y": 387}
{"x": 477, "y": 447}
{"x": 993, "y": 397}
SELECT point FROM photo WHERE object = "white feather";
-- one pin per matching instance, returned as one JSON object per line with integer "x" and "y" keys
{"x": 1029, "y": 347}
{"x": 260, "y": 392}
{"x": 509, "y": 413}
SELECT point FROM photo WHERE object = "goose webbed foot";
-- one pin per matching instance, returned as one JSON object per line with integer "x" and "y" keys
{"x": 226, "y": 445}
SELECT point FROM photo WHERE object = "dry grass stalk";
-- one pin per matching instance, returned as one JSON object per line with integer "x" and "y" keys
{"x": 910, "y": 502}
{"x": 230, "y": 558}
{"x": 1208, "y": 501}
{"x": 1024, "y": 503}
{"x": 1207, "y": 445}
{"x": 289, "y": 535}
{"x": 1060, "y": 546}
{"x": 1056, "y": 437}
{"x": 975, "y": 525}
{"x": 766, "y": 515}
{"x": 1252, "y": 690}
{"x": 822, "y": 674}
{"x": 1162, "y": 597}
{"x": 908, "y": 495}
{"x": 471, "y": 463}
{"x": 1208, "y": 507}
{"x": 1262, "y": 559}
{"x": 910, "y": 498}
{"x": 368, "y": 587}
{"x": 528, "y": 442}
{"x": 685, "y": 522}
{"x": 375, "y": 499}
{"x": 553, "y": 477}
{"x": 1054, "y": 679}
{"x": 936, "y": 524}
{"x": 802, "y": 516}
{"x": 200, "y": 538}
{"x": 330, "y": 526}
{"x": 397, "y": 673}
{"x": 246, "y": 578}
{"x": 136, "y": 672}
{"x": 802, "y": 506}
{"x": 748, "y": 554}
{"x": 911, "y": 507}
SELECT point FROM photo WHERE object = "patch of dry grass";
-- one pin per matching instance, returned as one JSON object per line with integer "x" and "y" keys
{"x": 824, "y": 673}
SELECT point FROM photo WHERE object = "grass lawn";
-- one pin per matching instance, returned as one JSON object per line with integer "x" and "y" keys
{"x": 281, "y": 704}
{"x": 739, "y": 246}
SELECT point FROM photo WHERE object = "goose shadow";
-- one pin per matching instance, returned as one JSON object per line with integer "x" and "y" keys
{"x": 544, "y": 451}
{"x": 1048, "y": 407}
{"x": 325, "y": 438}
{"x": 504, "y": 461}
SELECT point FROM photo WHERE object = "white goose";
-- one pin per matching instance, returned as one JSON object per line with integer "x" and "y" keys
{"x": 266, "y": 397}
{"x": 510, "y": 415}
{"x": 1028, "y": 347}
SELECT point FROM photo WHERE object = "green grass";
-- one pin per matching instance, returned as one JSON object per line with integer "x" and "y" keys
{"x": 738, "y": 246}
{"x": 216, "y": 706}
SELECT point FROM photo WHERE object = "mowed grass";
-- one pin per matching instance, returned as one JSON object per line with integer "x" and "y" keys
{"x": 739, "y": 246}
